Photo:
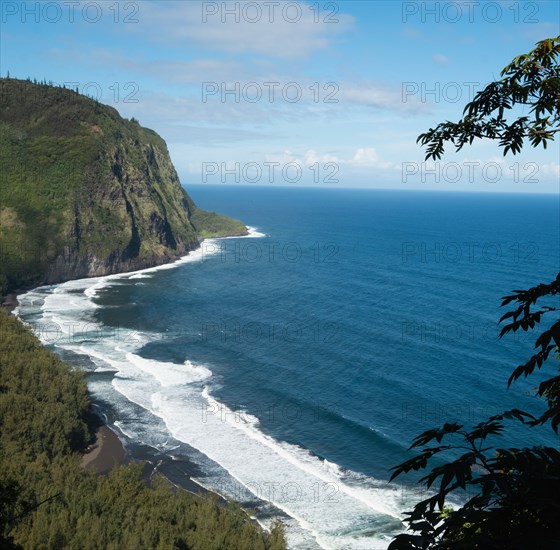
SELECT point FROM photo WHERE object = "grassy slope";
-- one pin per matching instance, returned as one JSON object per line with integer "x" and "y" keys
{"x": 211, "y": 224}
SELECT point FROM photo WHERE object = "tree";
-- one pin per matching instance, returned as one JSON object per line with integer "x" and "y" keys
{"x": 512, "y": 494}
{"x": 531, "y": 80}
{"x": 9, "y": 490}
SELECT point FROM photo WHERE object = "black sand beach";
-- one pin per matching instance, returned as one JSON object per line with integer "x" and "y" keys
{"x": 106, "y": 453}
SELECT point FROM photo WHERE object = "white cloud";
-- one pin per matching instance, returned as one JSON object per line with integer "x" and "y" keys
{"x": 308, "y": 158}
{"x": 440, "y": 59}
{"x": 364, "y": 157}
{"x": 249, "y": 79}
{"x": 194, "y": 71}
{"x": 373, "y": 94}
{"x": 191, "y": 110}
{"x": 368, "y": 156}
{"x": 550, "y": 169}
{"x": 276, "y": 29}
{"x": 255, "y": 76}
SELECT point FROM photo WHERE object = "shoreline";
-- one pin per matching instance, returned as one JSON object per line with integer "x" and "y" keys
{"x": 108, "y": 451}
{"x": 10, "y": 300}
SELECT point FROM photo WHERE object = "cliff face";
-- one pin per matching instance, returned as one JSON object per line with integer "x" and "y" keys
{"x": 131, "y": 213}
{"x": 85, "y": 193}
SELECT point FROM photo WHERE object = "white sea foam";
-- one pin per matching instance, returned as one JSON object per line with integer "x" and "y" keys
{"x": 253, "y": 233}
{"x": 329, "y": 506}
{"x": 170, "y": 374}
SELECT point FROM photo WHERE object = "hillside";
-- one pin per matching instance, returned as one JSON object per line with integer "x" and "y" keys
{"x": 85, "y": 192}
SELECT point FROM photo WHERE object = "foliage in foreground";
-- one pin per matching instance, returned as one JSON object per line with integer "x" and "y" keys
{"x": 530, "y": 80}
{"x": 48, "y": 501}
{"x": 512, "y": 493}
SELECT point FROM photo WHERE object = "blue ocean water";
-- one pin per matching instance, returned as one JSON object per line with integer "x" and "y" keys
{"x": 293, "y": 368}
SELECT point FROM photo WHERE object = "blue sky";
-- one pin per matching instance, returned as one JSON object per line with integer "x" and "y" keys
{"x": 302, "y": 93}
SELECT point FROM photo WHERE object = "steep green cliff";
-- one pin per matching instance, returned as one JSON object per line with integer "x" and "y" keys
{"x": 84, "y": 192}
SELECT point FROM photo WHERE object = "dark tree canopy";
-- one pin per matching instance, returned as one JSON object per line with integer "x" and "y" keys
{"x": 530, "y": 81}
{"x": 512, "y": 495}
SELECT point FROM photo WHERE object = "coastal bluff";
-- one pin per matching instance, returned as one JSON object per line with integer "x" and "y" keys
{"x": 85, "y": 192}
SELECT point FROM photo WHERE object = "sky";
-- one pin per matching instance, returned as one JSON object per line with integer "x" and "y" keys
{"x": 324, "y": 94}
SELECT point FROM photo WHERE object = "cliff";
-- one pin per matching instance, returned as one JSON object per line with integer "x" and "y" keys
{"x": 85, "y": 192}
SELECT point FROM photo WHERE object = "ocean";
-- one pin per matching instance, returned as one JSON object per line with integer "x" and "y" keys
{"x": 291, "y": 369}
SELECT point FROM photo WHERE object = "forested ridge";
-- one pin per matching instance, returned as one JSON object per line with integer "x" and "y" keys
{"x": 47, "y": 500}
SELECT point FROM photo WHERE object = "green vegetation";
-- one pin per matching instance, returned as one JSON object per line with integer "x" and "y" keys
{"x": 84, "y": 192}
{"x": 210, "y": 224}
{"x": 512, "y": 494}
{"x": 530, "y": 80}
{"x": 48, "y": 501}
